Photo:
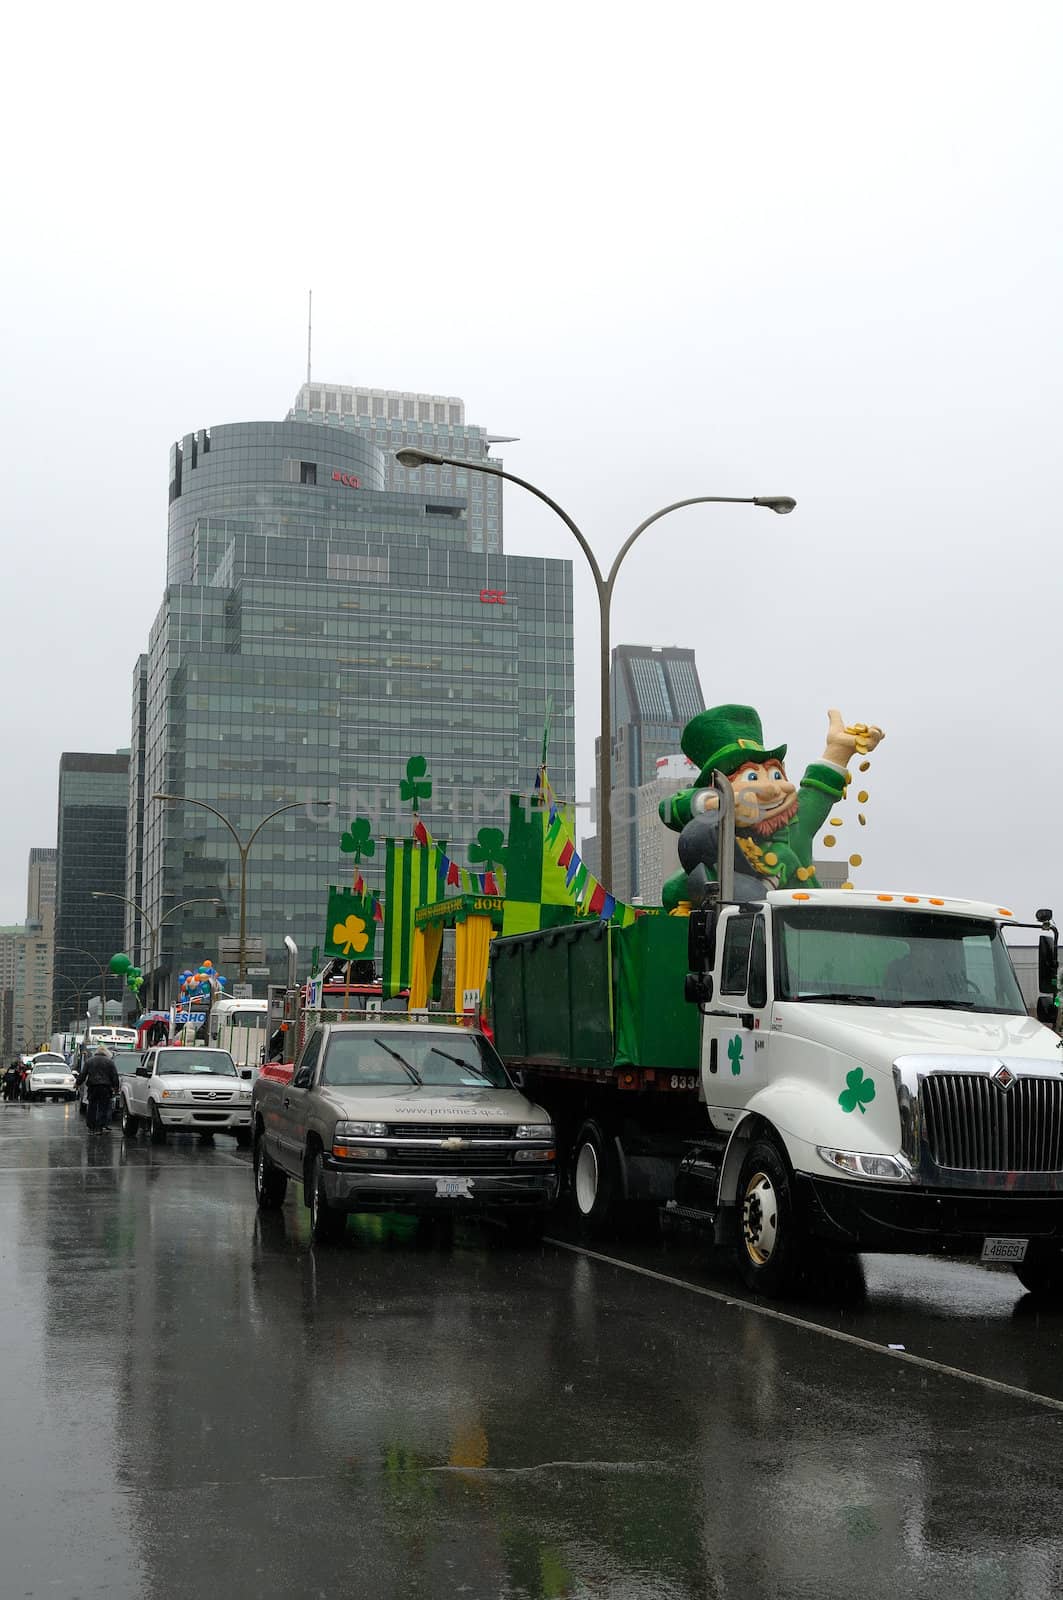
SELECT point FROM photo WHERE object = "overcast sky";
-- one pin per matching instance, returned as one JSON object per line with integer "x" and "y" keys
{"x": 689, "y": 249}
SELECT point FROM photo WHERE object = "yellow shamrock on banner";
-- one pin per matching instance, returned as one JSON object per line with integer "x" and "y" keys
{"x": 351, "y": 935}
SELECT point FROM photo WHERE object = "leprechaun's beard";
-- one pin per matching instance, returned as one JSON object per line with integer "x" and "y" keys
{"x": 774, "y": 820}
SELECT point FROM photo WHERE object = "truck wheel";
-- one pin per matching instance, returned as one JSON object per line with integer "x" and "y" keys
{"x": 327, "y": 1225}
{"x": 158, "y": 1132}
{"x": 1042, "y": 1272}
{"x": 130, "y": 1123}
{"x": 595, "y": 1179}
{"x": 271, "y": 1184}
{"x": 769, "y": 1246}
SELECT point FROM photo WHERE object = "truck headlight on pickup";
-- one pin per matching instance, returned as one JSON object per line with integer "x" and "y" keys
{"x": 359, "y": 1130}
{"x": 535, "y": 1155}
{"x": 535, "y": 1130}
{"x": 891, "y": 1169}
{"x": 173, "y": 1094}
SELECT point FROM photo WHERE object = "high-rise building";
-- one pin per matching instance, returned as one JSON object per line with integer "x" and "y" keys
{"x": 394, "y": 419}
{"x": 91, "y": 855}
{"x": 40, "y": 887}
{"x": 654, "y": 694}
{"x": 323, "y": 622}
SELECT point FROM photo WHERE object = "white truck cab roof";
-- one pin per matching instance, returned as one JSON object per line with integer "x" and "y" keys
{"x": 903, "y": 900}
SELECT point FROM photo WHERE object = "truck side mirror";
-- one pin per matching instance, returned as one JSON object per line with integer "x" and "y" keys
{"x": 1046, "y": 1010}
{"x": 701, "y": 940}
{"x": 1047, "y": 963}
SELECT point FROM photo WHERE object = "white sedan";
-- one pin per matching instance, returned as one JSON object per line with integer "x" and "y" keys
{"x": 50, "y": 1078}
{"x": 189, "y": 1088}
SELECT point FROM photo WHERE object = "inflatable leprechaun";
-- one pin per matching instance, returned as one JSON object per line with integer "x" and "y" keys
{"x": 775, "y": 822}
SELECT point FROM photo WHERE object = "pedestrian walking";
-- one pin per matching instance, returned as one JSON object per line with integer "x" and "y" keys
{"x": 100, "y": 1077}
{"x": 12, "y": 1081}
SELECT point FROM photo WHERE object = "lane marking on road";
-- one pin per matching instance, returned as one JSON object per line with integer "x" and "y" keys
{"x": 925, "y": 1362}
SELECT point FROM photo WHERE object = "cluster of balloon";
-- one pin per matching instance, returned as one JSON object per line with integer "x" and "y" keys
{"x": 121, "y": 964}
{"x": 200, "y": 983}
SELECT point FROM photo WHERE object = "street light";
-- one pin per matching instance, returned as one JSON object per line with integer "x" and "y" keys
{"x": 781, "y": 504}
{"x": 76, "y": 950}
{"x": 153, "y": 927}
{"x": 243, "y": 847}
{"x": 79, "y": 992}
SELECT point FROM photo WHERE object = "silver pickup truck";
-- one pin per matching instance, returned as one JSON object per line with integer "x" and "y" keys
{"x": 401, "y": 1116}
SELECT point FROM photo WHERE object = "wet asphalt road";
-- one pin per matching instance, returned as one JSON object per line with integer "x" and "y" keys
{"x": 193, "y": 1402}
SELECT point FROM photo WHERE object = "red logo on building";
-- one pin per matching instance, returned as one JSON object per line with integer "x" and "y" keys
{"x": 493, "y": 597}
{"x": 348, "y": 480}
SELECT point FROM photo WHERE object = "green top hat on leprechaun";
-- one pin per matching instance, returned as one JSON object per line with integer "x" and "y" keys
{"x": 725, "y": 737}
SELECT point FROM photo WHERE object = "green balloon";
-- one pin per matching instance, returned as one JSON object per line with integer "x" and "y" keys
{"x": 120, "y": 962}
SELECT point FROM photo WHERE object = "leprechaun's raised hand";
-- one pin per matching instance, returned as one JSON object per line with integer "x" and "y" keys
{"x": 844, "y": 740}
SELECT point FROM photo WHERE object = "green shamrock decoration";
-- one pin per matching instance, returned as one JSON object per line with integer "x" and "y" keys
{"x": 860, "y": 1093}
{"x": 488, "y": 849}
{"x": 416, "y": 785}
{"x": 358, "y": 841}
{"x": 734, "y": 1054}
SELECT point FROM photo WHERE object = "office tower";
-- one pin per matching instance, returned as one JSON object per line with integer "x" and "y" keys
{"x": 91, "y": 855}
{"x": 321, "y": 625}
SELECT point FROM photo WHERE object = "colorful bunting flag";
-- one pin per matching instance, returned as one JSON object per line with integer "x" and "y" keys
{"x": 568, "y": 850}
{"x": 608, "y": 907}
{"x": 453, "y": 875}
{"x": 597, "y": 899}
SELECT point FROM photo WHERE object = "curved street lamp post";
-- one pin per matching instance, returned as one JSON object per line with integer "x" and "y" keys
{"x": 76, "y": 950}
{"x": 243, "y": 846}
{"x": 154, "y": 927}
{"x": 780, "y": 503}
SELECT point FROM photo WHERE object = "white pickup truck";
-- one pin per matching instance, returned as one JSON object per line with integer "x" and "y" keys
{"x": 186, "y": 1088}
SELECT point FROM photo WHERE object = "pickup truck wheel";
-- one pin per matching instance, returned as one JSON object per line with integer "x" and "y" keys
{"x": 1042, "y": 1272}
{"x": 158, "y": 1131}
{"x": 596, "y": 1184}
{"x": 130, "y": 1123}
{"x": 769, "y": 1244}
{"x": 327, "y": 1225}
{"x": 271, "y": 1184}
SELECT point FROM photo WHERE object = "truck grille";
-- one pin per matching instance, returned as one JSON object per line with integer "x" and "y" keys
{"x": 970, "y": 1122}
{"x": 429, "y": 1130}
{"x": 211, "y": 1094}
{"x": 432, "y": 1161}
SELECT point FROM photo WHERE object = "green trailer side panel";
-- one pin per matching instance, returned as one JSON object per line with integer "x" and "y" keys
{"x": 655, "y": 1026}
{"x": 552, "y": 996}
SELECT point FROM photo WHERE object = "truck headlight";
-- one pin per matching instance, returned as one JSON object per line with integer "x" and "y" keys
{"x": 359, "y": 1152}
{"x": 359, "y": 1130}
{"x": 892, "y": 1169}
{"x": 535, "y": 1130}
{"x": 535, "y": 1155}
{"x": 173, "y": 1094}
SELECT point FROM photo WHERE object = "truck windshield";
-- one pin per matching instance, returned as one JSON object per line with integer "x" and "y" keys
{"x": 836, "y": 956}
{"x": 437, "y": 1060}
{"x": 188, "y": 1059}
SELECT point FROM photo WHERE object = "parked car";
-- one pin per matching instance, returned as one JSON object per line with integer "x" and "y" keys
{"x": 401, "y": 1116}
{"x": 186, "y": 1088}
{"x": 50, "y": 1078}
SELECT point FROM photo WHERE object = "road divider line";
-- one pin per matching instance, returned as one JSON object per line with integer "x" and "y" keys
{"x": 925, "y": 1362}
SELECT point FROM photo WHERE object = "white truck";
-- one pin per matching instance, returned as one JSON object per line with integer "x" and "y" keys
{"x": 241, "y": 1027}
{"x": 860, "y": 1074}
{"x": 186, "y": 1089}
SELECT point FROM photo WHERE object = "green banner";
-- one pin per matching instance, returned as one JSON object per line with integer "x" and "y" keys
{"x": 412, "y": 878}
{"x": 350, "y": 931}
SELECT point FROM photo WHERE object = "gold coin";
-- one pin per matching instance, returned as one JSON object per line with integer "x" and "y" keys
{"x": 862, "y": 797}
{"x": 856, "y": 861}
{"x": 803, "y": 874}
{"x": 771, "y": 859}
{"x": 861, "y": 819}
{"x": 835, "y": 822}
{"x": 865, "y": 766}
{"x": 846, "y": 885}
{"x": 829, "y": 840}
{"x": 848, "y": 777}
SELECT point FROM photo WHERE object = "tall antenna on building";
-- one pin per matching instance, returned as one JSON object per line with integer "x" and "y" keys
{"x": 309, "y": 329}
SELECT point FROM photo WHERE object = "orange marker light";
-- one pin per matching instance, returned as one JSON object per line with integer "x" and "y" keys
{"x": 800, "y": 894}
{"x": 934, "y": 901}
{"x": 911, "y": 899}
{"x": 1003, "y": 911}
{"x": 883, "y": 897}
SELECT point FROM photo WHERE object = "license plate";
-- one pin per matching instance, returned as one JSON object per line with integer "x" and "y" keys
{"x": 1004, "y": 1249}
{"x": 454, "y": 1188}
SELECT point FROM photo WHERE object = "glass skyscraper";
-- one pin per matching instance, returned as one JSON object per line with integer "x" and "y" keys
{"x": 91, "y": 855}
{"x": 321, "y": 625}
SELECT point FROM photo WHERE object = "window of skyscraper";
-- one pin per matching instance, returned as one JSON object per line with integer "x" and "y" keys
{"x": 308, "y": 472}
